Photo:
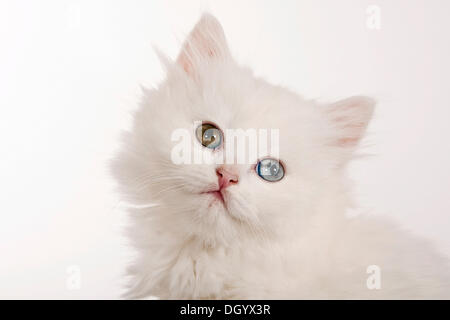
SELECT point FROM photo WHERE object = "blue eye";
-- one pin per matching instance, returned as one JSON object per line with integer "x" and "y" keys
{"x": 270, "y": 170}
{"x": 209, "y": 135}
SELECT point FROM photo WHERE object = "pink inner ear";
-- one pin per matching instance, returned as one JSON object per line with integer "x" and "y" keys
{"x": 353, "y": 129}
{"x": 184, "y": 61}
{"x": 351, "y": 117}
{"x": 206, "y": 40}
{"x": 202, "y": 46}
{"x": 349, "y": 141}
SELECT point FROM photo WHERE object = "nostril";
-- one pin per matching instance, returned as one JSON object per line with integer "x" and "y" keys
{"x": 226, "y": 177}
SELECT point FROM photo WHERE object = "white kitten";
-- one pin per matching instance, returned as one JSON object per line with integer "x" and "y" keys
{"x": 253, "y": 238}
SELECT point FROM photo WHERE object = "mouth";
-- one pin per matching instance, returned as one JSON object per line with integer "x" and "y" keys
{"x": 221, "y": 198}
{"x": 216, "y": 194}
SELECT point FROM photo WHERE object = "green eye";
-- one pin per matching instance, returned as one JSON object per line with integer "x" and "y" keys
{"x": 209, "y": 135}
{"x": 270, "y": 170}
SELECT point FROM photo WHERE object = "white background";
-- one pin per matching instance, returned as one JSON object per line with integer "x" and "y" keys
{"x": 70, "y": 74}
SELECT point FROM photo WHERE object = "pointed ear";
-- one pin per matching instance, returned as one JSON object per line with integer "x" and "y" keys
{"x": 206, "y": 41}
{"x": 350, "y": 117}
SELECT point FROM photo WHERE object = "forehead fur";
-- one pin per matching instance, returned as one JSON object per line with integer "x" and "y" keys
{"x": 233, "y": 98}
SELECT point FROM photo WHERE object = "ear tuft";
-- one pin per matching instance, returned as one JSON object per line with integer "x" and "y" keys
{"x": 206, "y": 41}
{"x": 351, "y": 117}
{"x": 163, "y": 59}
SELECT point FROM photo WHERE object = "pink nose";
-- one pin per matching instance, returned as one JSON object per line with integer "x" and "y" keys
{"x": 227, "y": 176}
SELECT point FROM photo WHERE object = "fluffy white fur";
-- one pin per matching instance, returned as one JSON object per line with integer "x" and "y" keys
{"x": 290, "y": 239}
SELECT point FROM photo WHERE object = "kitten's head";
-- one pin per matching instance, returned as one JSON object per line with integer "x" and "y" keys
{"x": 205, "y": 94}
